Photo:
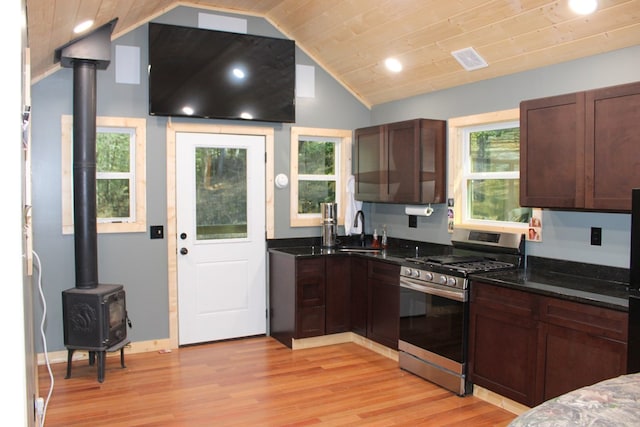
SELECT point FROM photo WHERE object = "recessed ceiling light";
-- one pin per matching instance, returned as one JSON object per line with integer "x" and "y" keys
{"x": 583, "y": 7}
{"x": 393, "y": 64}
{"x": 83, "y": 26}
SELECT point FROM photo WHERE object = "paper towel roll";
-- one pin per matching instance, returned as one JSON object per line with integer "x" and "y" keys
{"x": 418, "y": 210}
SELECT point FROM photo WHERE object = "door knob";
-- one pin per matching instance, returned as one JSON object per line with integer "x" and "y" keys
{"x": 184, "y": 251}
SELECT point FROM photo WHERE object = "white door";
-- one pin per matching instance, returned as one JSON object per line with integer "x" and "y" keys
{"x": 220, "y": 190}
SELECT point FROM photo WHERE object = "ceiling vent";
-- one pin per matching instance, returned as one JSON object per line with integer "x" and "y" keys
{"x": 469, "y": 59}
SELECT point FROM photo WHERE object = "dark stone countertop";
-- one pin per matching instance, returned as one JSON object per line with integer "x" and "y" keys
{"x": 395, "y": 256}
{"x": 591, "y": 284}
{"x": 595, "y": 285}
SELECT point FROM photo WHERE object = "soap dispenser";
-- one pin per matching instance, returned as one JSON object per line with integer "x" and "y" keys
{"x": 375, "y": 243}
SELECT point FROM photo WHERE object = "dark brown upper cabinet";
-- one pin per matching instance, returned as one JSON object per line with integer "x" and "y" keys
{"x": 401, "y": 162}
{"x": 579, "y": 151}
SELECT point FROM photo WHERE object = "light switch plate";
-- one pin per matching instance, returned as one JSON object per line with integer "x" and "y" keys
{"x": 157, "y": 232}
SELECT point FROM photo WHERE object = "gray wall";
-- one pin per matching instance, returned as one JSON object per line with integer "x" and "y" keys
{"x": 141, "y": 264}
{"x": 133, "y": 259}
{"x": 566, "y": 235}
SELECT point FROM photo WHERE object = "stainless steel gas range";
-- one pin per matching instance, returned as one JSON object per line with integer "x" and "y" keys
{"x": 434, "y": 304}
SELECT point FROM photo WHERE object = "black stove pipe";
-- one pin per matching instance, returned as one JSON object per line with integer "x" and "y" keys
{"x": 84, "y": 174}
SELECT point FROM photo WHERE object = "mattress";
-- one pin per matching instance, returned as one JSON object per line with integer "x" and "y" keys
{"x": 613, "y": 402}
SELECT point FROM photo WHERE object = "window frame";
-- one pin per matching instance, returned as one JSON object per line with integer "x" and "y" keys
{"x": 342, "y": 171}
{"x": 138, "y": 162}
{"x": 458, "y": 163}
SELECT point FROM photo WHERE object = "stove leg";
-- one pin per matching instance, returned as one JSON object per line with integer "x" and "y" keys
{"x": 69, "y": 358}
{"x": 101, "y": 366}
{"x": 92, "y": 358}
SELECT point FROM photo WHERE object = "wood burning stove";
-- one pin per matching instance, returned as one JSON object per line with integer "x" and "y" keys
{"x": 95, "y": 320}
{"x": 94, "y": 315}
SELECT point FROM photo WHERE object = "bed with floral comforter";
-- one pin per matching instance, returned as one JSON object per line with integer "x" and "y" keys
{"x": 613, "y": 402}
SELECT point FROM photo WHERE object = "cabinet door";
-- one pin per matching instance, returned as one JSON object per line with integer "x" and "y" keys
{"x": 433, "y": 149}
{"x": 403, "y": 162}
{"x": 552, "y": 132}
{"x": 383, "y": 309}
{"x": 503, "y": 339}
{"x": 612, "y": 161}
{"x": 282, "y": 297}
{"x": 369, "y": 171}
{"x": 310, "y": 297}
{"x": 359, "y": 296}
{"x": 338, "y": 296}
{"x": 580, "y": 344}
{"x": 575, "y": 359}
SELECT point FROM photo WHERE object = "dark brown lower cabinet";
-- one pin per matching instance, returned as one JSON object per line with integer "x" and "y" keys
{"x": 383, "y": 318}
{"x": 502, "y": 341}
{"x": 311, "y": 296}
{"x": 308, "y": 296}
{"x": 580, "y": 345}
{"x": 338, "y": 294}
{"x": 359, "y": 296}
{"x": 296, "y": 297}
{"x": 532, "y": 348}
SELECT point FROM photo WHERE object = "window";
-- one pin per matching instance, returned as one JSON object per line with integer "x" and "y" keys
{"x": 485, "y": 171}
{"x": 120, "y": 174}
{"x": 320, "y": 164}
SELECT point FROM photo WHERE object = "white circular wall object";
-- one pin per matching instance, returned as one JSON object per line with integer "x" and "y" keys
{"x": 281, "y": 180}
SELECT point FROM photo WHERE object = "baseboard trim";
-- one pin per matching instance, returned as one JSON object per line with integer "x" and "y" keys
{"x": 499, "y": 401}
{"x": 297, "y": 344}
{"x": 131, "y": 348}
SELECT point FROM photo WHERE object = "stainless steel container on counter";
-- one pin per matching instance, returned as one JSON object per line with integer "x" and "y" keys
{"x": 329, "y": 224}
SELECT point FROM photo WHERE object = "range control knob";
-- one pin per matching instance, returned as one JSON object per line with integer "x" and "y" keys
{"x": 451, "y": 281}
{"x": 408, "y": 272}
{"x": 442, "y": 280}
{"x": 428, "y": 275}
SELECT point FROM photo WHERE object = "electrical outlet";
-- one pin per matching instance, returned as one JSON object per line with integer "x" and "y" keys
{"x": 413, "y": 221}
{"x": 596, "y": 236}
{"x": 39, "y": 403}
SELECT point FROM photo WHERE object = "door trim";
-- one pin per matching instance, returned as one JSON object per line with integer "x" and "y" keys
{"x": 172, "y": 249}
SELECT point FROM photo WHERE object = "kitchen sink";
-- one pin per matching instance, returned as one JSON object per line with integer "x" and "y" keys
{"x": 358, "y": 249}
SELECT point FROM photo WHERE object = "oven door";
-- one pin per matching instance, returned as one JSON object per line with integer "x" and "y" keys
{"x": 433, "y": 318}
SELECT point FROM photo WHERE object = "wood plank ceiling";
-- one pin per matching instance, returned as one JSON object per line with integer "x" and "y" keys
{"x": 351, "y": 38}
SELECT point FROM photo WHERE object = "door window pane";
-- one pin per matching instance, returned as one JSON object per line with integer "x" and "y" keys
{"x": 221, "y": 193}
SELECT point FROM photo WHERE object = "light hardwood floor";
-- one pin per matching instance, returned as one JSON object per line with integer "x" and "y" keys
{"x": 257, "y": 382}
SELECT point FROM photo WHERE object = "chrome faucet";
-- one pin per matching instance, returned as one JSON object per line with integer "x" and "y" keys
{"x": 355, "y": 224}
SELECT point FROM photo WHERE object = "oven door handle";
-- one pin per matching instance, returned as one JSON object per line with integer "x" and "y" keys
{"x": 432, "y": 289}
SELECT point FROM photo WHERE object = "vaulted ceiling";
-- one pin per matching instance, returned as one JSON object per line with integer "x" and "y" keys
{"x": 351, "y": 38}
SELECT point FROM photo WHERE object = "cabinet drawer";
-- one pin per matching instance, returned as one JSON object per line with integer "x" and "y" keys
{"x": 505, "y": 300}
{"x": 310, "y": 288}
{"x": 310, "y": 267}
{"x": 385, "y": 272}
{"x": 310, "y": 322}
{"x": 582, "y": 317}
